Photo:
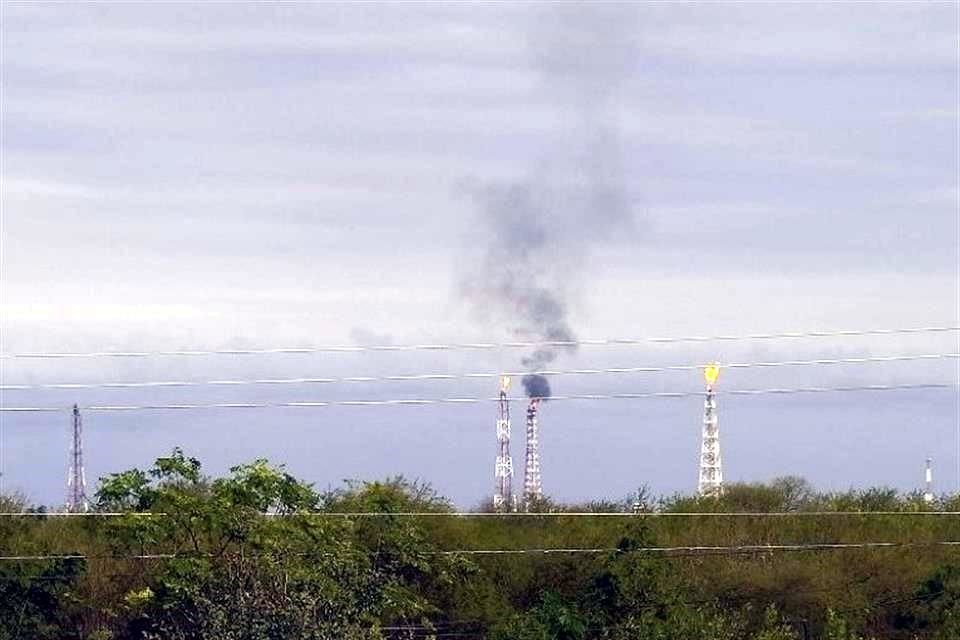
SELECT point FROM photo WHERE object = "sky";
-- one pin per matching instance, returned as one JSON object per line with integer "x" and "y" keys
{"x": 210, "y": 176}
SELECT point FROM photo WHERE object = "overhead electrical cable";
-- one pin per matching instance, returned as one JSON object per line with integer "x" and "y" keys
{"x": 476, "y": 375}
{"x": 667, "y": 551}
{"x": 473, "y": 400}
{"x": 525, "y": 344}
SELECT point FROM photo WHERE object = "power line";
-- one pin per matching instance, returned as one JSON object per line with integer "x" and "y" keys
{"x": 83, "y": 556}
{"x": 83, "y": 514}
{"x": 508, "y": 515}
{"x": 476, "y": 375}
{"x": 666, "y": 551}
{"x": 483, "y": 345}
{"x": 475, "y": 400}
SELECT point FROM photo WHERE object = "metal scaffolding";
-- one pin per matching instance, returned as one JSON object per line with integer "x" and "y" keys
{"x": 76, "y": 476}
{"x": 532, "y": 485}
{"x": 503, "y": 499}
{"x": 711, "y": 464}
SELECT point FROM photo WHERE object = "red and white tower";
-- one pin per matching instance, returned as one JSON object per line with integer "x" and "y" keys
{"x": 503, "y": 475}
{"x": 928, "y": 496}
{"x": 532, "y": 486}
{"x": 711, "y": 466}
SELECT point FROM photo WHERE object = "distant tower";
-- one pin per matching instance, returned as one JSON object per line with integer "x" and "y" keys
{"x": 76, "y": 477}
{"x": 928, "y": 482}
{"x": 711, "y": 467}
{"x": 532, "y": 487}
{"x": 503, "y": 475}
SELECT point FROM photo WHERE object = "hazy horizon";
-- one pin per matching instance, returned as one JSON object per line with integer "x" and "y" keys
{"x": 186, "y": 176}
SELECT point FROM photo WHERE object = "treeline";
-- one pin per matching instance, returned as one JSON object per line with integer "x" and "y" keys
{"x": 258, "y": 555}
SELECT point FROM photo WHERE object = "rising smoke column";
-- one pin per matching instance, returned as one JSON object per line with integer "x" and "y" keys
{"x": 518, "y": 281}
{"x": 535, "y": 235}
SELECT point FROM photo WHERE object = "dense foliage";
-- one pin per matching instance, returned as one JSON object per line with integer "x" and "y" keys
{"x": 258, "y": 554}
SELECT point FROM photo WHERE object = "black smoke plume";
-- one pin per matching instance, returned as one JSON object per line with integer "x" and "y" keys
{"x": 536, "y": 386}
{"x": 535, "y": 236}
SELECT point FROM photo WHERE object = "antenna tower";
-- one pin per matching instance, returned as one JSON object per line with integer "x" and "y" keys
{"x": 76, "y": 477}
{"x": 711, "y": 467}
{"x": 532, "y": 486}
{"x": 503, "y": 474}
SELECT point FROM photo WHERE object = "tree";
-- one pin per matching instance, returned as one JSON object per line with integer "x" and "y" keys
{"x": 253, "y": 557}
{"x": 552, "y": 619}
{"x": 836, "y": 628}
{"x": 935, "y": 606}
{"x": 31, "y": 596}
{"x": 773, "y": 627}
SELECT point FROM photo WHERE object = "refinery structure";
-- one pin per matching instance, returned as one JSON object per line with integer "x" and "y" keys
{"x": 928, "y": 495}
{"x": 505, "y": 500}
{"x": 711, "y": 464}
{"x": 532, "y": 484}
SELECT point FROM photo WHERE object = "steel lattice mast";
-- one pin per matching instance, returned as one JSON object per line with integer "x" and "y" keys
{"x": 532, "y": 486}
{"x": 503, "y": 474}
{"x": 711, "y": 465}
{"x": 76, "y": 477}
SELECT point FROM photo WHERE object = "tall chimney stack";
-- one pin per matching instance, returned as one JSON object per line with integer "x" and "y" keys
{"x": 928, "y": 496}
{"x": 503, "y": 499}
{"x": 711, "y": 466}
{"x": 532, "y": 486}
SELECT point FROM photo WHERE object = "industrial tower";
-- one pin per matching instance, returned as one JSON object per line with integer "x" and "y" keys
{"x": 532, "y": 487}
{"x": 76, "y": 477}
{"x": 928, "y": 496}
{"x": 503, "y": 475}
{"x": 711, "y": 467}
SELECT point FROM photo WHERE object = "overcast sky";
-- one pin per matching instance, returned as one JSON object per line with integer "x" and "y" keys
{"x": 194, "y": 176}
